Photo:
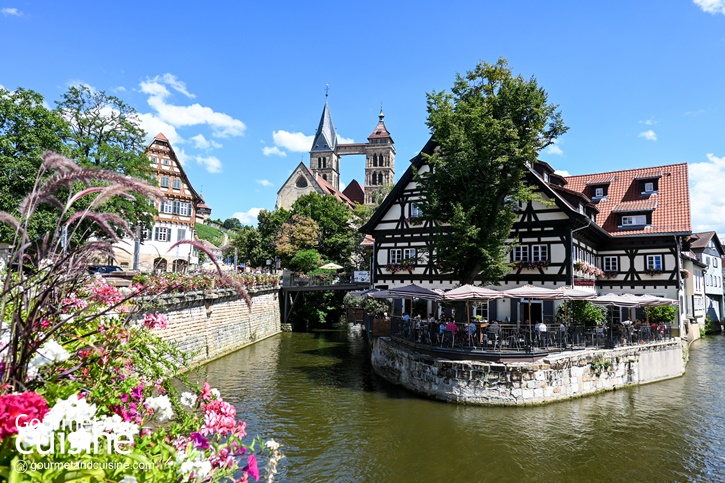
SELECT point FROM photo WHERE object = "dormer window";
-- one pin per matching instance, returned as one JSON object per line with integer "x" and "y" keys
{"x": 598, "y": 192}
{"x": 546, "y": 177}
{"x": 649, "y": 187}
{"x": 631, "y": 221}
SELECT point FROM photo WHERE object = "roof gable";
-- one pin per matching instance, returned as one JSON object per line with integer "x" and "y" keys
{"x": 161, "y": 144}
{"x": 669, "y": 205}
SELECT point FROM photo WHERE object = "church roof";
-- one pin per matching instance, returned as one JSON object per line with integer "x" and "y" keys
{"x": 331, "y": 190}
{"x": 354, "y": 192}
{"x": 380, "y": 130}
{"x": 325, "y": 138}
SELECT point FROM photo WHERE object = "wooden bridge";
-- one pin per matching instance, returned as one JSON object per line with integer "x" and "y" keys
{"x": 291, "y": 289}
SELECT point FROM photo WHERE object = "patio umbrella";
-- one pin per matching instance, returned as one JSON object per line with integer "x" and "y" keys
{"x": 331, "y": 266}
{"x": 415, "y": 291}
{"x": 571, "y": 293}
{"x": 469, "y": 293}
{"x": 379, "y": 294}
{"x": 533, "y": 292}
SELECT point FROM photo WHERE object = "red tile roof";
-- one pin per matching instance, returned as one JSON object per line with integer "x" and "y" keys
{"x": 596, "y": 179}
{"x": 329, "y": 189}
{"x": 671, "y": 210}
{"x": 161, "y": 137}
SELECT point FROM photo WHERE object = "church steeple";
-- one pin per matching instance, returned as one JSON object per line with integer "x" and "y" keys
{"x": 325, "y": 138}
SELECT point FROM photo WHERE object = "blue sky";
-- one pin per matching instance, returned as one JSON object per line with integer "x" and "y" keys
{"x": 238, "y": 87}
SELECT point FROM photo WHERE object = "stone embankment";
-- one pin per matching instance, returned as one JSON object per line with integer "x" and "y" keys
{"x": 208, "y": 325}
{"x": 553, "y": 378}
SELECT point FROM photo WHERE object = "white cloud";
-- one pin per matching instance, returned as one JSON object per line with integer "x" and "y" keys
{"x": 119, "y": 89}
{"x": 707, "y": 198}
{"x": 248, "y": 217}
{"x": 554, "y": 149}
{"x": 14, "y": 12}
{"x": 342, "y": 140}
{"x": 153, "y": 126}
{"x": 562, "y": 172}
{"x": 711, "y": 6}
{"x": 200, "y": 142}
{"x": 211, "y": 163}
{"x": 183, "y": 158}
{"x": 264, "y": 182}
{"x": 293, "y": 141}
{"x": 222, "y": 125}
{"x": 648, "y": 135}
{"x": 273, "y": 151}
{"x": 648, "y": 122}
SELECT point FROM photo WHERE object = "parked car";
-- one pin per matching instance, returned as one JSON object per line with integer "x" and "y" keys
{"x": 104, "y": 270}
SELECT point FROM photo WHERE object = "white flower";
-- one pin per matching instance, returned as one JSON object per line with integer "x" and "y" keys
{"x": 70, "y": 412}
{"x": 200, "y": 467}
{"x": 161, "y": 406}
{"x": 215, "y": 392}
{"x": 272, "y": 445}
{"x": 50, "y": 352}
{"x": 115, "y": 425}
{"x": 80, "y": 440}
{"x": 188, "y": 399}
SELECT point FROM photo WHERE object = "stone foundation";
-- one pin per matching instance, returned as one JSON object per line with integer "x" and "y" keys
{"x": 208, "y": 325}
{"x": 553, "y": 378}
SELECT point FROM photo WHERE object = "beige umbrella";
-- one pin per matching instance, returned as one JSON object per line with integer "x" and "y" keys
{"x": 331, "y": 266}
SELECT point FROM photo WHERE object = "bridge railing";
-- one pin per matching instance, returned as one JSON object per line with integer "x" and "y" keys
{"x": 293, "y": 279}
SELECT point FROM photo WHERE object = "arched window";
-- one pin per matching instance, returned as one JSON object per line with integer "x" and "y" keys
{"x": 375, "y": 160}
{"x": 324, "y": 176}
{"x": 324, "y": 162}
{"x": 301, "y": 182}
{"x": 319, "y": 162}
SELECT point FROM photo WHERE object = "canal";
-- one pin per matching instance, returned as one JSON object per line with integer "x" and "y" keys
{"x": 316, "y": 394}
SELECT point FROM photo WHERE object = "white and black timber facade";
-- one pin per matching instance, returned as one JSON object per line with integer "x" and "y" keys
{"x": 615, "y": 232}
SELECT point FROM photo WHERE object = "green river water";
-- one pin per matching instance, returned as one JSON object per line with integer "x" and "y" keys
{"x": 316, "y": 394}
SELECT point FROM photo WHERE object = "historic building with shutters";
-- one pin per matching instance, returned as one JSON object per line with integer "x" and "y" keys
{"x": 614, "y": 232}
{"x": 175, "y": 219}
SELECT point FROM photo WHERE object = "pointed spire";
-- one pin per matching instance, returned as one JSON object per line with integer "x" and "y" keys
{"x": 381, "y": 116}
{"x": 325, "y": 137}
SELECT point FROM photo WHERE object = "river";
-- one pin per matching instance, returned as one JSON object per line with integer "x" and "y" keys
{"x": 337, "y": 421}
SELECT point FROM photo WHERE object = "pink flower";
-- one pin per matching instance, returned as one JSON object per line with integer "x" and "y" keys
{"x": 219, "y": 417}
{"x": 251, "y": 467}
{"x": 24, "y": 407}
{"x": 205, "y": 392}
{"x": 200, "y": 442}
{"x": 155, "y": 321}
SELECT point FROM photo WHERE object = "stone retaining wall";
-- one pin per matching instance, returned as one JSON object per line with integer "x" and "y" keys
{"x": 557, "y": 377}
{"x": 208, "y": 325}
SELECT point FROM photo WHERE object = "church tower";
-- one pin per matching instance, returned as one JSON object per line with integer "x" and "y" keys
{"x": 324, "y": 160}
{"x": 379, "y": 159}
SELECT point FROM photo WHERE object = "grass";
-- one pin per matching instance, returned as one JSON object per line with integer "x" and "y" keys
{"x": 210, "y": 234}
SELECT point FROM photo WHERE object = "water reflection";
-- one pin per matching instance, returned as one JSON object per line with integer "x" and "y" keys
{"x": 317, "y": 395}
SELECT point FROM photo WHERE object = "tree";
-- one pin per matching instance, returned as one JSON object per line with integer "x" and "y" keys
{"x": 232, "y": 224}
{"x": 583, "y": 312}
{"x": 661, "y": 313}
{"x": 268, "y": 225}
{"x": 299, "y": 233}
{"x": 106, "y": 133}
{"x": 489, "y": 130}
{"x": 337, "y": 236}
{"x": 248, "y": 243}
{"x": 27, "y": 130}
{"x": 305, "y": 261}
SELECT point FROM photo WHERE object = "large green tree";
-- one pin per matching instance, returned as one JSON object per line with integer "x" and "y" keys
{"x": 248, "y": 243}
{"x": 106, "y": 133}
{"x": 27, "y": 130}
{"x": 268, "y": 224}
{"x": 489, "y": 129}
{"x": 337, "y": 235}
{"x": 299, "y": 233}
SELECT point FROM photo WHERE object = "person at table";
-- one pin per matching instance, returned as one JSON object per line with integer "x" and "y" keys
{"x": 471, "y": 329}
{"x": 452, "y": 326}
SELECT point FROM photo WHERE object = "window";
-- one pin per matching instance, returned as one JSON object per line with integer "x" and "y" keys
{"x": 415, "y": 211}
{"x": 521, "y": 254}
{"x": 409, "y": 253}
{"x": 185, "y": 209}
{"x": 395, "y": 255}
{"x": 539, "y": 253}
{"x": 649, "y": 187}
{"x": 301, "y": 182}
{"x": 634, "y": 220}
{"x": 599, "y": 192}
{"x": 654, "y": 262}
{"x": 714, "y": 262}
{"x": 182, "y": 234}
{"x": 165, "y": 206}
{"x": 176, "y": 206}
{"x": 164, "y": 181}
{"x": 161, "y": 234}
{"x": 165, "y": 162}
{"x": 154, "y": 159}
{"x": 610, "y": 264}
{"x": 177, "y": 183}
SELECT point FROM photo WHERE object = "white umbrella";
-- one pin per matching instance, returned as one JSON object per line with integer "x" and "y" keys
{"x": 331, "y": 266}
{"x": 570, "y": 293}
{"x": 471, "y": 292}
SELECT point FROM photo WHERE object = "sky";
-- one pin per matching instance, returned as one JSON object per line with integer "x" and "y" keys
{"x": 238, "y": 87}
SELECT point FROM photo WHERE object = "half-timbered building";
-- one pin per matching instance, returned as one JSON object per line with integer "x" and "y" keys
{"x": 175, "y": 219}
{"x": 614, "y": 232}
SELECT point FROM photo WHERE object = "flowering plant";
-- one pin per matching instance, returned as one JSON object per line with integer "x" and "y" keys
{"x": 88, "y": 390}
{"x": 531, "y": 265}
{"x": 407, "y": 264}
{"x": 652, "y": 271}
{"x": 588, "y": 269}
{"x": 684, "y": 273}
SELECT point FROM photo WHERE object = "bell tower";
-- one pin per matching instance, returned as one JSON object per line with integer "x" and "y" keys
{"x": 379, "y": 159}
{"x": 324, "y": 160}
